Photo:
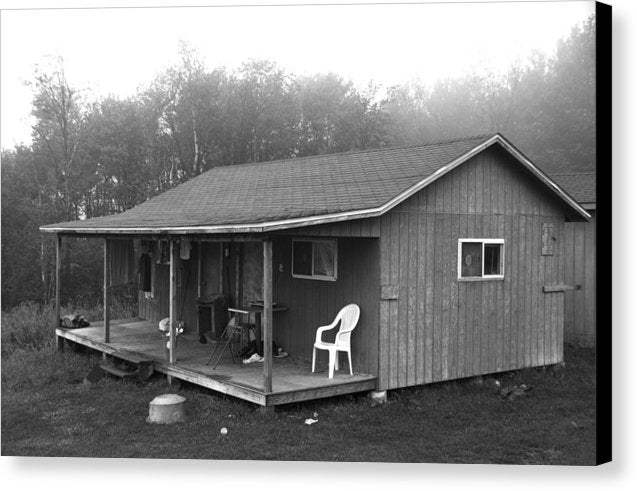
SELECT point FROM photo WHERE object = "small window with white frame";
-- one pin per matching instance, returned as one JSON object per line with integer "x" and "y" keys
{"x": 480, "y": 259}
{"x": 314, "y": 259}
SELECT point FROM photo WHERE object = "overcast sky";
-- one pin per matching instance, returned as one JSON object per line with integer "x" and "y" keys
{"x": 117, "y": 51}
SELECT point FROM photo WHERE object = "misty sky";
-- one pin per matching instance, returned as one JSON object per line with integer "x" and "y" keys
{"x": 117, "y": 51}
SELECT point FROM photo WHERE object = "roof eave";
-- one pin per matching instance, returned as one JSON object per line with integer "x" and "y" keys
{"x": 260, "y": 227}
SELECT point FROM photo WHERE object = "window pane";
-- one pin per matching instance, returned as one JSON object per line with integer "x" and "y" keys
{"x": 492, "y": 261}
{"x": 302, "y": 258}
{"x": 471, "y": 259}
{"x": 324, "y": 259}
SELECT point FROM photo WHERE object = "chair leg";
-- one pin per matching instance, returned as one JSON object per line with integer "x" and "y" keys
{"x": 336, "y": 360}
{"x": 349, "y": 357}
{"x": 225, "y": 346}
{"x": 213, "y": 352}
{"x": 332, "y": 356}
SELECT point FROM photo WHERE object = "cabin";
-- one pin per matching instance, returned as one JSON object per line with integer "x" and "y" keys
{"x": 580, "y": 270}
{"x": 453, "y": 250}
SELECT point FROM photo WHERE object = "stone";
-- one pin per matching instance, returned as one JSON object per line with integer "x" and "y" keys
{"x": 378, "y": 396}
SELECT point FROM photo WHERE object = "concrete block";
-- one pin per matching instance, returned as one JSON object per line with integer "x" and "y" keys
{"x": 378, "y": 396}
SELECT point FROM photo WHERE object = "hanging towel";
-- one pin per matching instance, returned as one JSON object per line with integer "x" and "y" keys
{"x": 163, "y": 257}
{"x": 122, "y": 261}
{"x": 184, "y": 249}
{"x": 145, "y": 272}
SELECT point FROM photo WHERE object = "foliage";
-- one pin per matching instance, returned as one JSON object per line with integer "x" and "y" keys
{"x": 94, "y": 158}
{"x": 31, "y": 325}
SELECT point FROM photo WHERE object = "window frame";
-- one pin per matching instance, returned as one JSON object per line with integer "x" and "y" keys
{"x": 313, "y": 276}
{"x": 483, "y": 277}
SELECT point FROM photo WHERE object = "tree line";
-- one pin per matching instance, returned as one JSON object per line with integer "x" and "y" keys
{"x": 90, "y": 158}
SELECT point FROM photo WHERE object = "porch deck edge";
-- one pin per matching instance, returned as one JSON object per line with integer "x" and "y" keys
{"x": 225, "y": 387}
{"x": 181, "y": 373}
{"x": 229, "y": 388}
{"x": 277, "y": 398}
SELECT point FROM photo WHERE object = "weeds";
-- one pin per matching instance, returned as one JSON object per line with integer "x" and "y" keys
{"x": 31, "y": 326}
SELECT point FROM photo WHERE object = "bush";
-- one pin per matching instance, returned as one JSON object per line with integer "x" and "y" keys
{"x": 31, "y": 326}
{"x": 26, "y": 369}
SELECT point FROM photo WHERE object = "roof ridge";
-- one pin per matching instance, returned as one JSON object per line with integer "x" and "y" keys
{"x": 368, "y": 150}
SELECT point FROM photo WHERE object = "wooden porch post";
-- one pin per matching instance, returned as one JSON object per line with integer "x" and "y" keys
{"x": 107, "y": 292}
{"x": 199, "y": 268}
{"x": 238, "y": 258}
{"x": 173, "y": 303}
{"x": 267, "y": 316}
{"x": 58, "y": 260}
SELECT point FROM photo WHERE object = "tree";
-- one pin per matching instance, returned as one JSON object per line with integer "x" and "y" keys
{"x": 570, "y": 136}
{"x": 409, "y": 118}
{"x": 58, "y": 138}
{"x": 119, "y": 155}
{"x": 269, "y": 113}
{"x": 26, "y": 256}
{"x": 325, "y": 101}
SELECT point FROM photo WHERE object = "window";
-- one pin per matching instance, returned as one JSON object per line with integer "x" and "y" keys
{"x": 314, "y": 259}
{"x": 480, "y": 259}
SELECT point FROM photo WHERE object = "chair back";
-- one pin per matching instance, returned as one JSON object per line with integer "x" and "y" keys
{"x": 229, "y": 330}
{"x": 349, "y": 316}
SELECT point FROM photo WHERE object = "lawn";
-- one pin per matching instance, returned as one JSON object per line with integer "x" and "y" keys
{"x": 47, "y": 410}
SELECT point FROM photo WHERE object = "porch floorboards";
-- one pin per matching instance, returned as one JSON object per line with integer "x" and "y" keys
{"x": 292, "y": 380}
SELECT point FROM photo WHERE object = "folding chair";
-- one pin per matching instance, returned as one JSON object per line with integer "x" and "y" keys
{"x": 233, "y": 330}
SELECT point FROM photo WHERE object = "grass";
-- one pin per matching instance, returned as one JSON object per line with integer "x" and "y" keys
{"x": 28, "y": 325}
{"x": 48, "y": 411}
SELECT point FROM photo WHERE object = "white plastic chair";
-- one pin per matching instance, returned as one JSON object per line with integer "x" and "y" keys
{"x": 348, "y": 317}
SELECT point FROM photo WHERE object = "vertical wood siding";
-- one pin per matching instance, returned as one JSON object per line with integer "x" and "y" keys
{"x": 252, "y": 272}
{"x": 313, "y": 303}
{"x": 440, "y": 328}
{"x": 366, "y": 227}
{"x": 579, "y": 269}
{"x": 157, "y": 308}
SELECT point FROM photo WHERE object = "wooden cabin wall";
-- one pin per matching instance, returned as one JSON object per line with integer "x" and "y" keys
{"x": 252, "y": 272}
{"x": 440, "y": 328}
{"x": 157, "y": 308}
{"x": 580, "y": 307}
{"x": 211, "y": 272}
{"x": 313, "y": 303}
{"x": 364, "y": 227}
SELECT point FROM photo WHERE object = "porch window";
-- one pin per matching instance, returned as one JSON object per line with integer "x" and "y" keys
{"x": 314, "y": 259}
{"x": 480, "y": 259}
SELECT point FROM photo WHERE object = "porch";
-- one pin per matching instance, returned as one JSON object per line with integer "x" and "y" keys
{"x": 292, "y": 380}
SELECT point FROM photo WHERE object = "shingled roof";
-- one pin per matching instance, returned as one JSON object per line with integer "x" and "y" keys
{"x": 580, "y": 185}
{"x": 257, "y": 197}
